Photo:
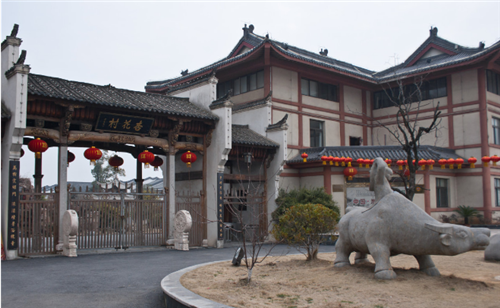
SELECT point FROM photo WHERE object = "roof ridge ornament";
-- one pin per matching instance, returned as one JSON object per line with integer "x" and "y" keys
{"x": 324, "y": 52}
{"x": 433, "y": 31}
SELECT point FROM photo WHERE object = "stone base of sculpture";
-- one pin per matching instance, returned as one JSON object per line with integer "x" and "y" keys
{"x": 183, "y": 223}
{"x": 70, "y": 231}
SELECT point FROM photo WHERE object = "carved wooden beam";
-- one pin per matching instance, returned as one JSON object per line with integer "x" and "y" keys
{"x": 112, "y": 138}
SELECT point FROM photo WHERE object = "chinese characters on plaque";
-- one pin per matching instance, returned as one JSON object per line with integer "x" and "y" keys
{"x": 12, "y": 218}
{"x": 123, "y": 124}
{"x": 220, "y": 206}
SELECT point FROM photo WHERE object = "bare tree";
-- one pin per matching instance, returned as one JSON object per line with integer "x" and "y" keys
{"x": 408, "y": 130}
{"x": 252, "y": 237}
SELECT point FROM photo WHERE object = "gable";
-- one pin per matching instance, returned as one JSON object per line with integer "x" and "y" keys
{"x": 431, "y": 53}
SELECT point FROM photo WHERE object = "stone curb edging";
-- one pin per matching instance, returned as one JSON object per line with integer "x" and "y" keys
{"x": 175, "y": 295}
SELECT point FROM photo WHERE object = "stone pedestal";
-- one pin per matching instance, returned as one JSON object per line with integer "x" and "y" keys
{"x": 70, "y": 231}
{"x": 182, "y": 223}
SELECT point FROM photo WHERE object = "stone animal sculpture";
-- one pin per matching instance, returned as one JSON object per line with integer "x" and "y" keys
{"x": 395, "y": 225}
{"x": 492, "y": 252}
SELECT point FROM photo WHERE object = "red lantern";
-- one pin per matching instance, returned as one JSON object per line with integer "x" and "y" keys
{"x": 494, "y": 159}
{"x": 304, "y": 157}
{"x": 324, "y": 159}
{"x": 336, "y": 159}
{"x": 472, "y": 161}
{"x": 115, "y": 161}
{"x": 348, "y": 160}
{"x": 486, "y": 161}
{"x": 330, "y": 159}
{"x": 442, "y": 162}
{"x": 342, "y": 161}
{"x": 22, "y": 152}
{"x": 451, "y": 161}
{"x": 146, "y": 157}
{"x": 459, "y": 162}
{"x": 92, "y": 154}
{"x": 349, "y": 172}
{"x": 388, "y": 162}
{"x": 360, "y": 161}
{"x": 431, "y": 163}
{"x": 422, "y": 163}
{"x": 71, "y": 157}
{"x": 38, "y": 146}
{"x": 188, "y": 158}
{"x": 371, "y": 161}
{"x": 157, "y": 162}
{"x": 400, "y": 164}
{"x": 407, "y": 173}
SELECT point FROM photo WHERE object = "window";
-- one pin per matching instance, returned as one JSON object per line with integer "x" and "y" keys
{"x": 429, "y": 89}
{"x": 318, "y": 89}
{"x": 497, "y": 192}
{"x": 492, "y": 82}
{"x": 242, "y": 84}
{"x": 442, "y": 192}
{"x": 355, "y": 140}
{"x": 496, "y": 130}
{"x": 316, "y": 133}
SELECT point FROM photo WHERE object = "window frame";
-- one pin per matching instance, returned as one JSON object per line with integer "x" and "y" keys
{"x": 492, "y": 82}
{"x": 316, "y": 134}
{"x": 431, "y": 89}
{"x": 242, "y": 84}
{"x": 497, "y": 192}
{"x": 321, "y": 90}
{"x": 495, "y": 124}
{"x": 441, "y": 191}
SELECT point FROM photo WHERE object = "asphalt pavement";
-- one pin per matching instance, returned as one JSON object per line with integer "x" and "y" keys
{"x": 125, "y": 279}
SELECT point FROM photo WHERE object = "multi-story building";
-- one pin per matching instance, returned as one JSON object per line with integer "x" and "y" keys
{"x": 336, "y": 108}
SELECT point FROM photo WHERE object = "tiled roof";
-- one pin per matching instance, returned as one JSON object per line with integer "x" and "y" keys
{"x": 110, "y": 96}
{"x": 460, "y": 54}
{"x": 371, "y": 152}
{"x": 243, "y": 135}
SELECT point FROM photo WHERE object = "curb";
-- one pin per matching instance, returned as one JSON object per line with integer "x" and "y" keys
{"x": 176, "y": 296}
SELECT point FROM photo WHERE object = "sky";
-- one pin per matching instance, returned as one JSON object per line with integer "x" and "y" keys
{"x": 128, "y": 43}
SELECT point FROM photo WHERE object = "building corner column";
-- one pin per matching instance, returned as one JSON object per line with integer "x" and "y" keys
{"x": 485, "y": 149}
{"x": 62, "y": 182}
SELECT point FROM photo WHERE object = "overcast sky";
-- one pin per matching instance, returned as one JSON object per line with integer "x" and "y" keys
{"x": 127, "y": 44}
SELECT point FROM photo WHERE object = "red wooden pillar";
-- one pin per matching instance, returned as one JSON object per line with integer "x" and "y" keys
{"x": 485, "y": 149}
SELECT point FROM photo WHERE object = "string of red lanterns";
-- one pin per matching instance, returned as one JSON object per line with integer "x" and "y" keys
{"x": 157, "y": 162}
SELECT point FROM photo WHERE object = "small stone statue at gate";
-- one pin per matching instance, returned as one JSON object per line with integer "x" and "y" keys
{"x": 70, "y": 231}
{"x": 182, "y": 225}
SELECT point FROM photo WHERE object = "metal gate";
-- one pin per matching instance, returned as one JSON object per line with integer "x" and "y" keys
{"x": 192, "y": 202}
{"x": 120, "y": 219}
{"x": 38, "y": 222}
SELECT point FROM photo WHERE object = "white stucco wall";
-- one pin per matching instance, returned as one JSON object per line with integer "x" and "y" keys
{"x": 466, "y": 129}
{"x": 293, "y": 126}
{"x": 256, "y": 119}
{"x": 352, "y": 100}
{"x": 248, "y": 96}
{"x": 284, "y": 84}
{"x": 464, "y": 87}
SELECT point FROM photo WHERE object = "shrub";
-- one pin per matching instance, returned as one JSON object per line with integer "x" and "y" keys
{"x": 302, "y": 226}
{"x": 287, "y": 199}
{"x": 466, "y": 211}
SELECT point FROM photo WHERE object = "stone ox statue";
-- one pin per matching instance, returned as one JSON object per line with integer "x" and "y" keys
{"x": 395, "y": 225}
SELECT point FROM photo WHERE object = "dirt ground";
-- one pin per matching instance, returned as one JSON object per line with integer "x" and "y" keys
{"x": 289, "y": 281}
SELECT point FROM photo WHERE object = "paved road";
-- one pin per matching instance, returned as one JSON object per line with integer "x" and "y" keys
{"x": 129, "y": 279}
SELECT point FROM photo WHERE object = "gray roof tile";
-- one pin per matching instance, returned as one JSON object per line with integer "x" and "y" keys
{"x": 110, "y": 96}
{"x": 243, "y": 135}
{"x": 371, "y": 152}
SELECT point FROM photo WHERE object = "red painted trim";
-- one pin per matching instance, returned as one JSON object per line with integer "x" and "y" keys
{"x": 485, "y": 150}
{"x": 327, "y": 179}
{"x": 364, "y": 109}
{"x": 421, "y": 118}
{"x": 495, "y": 173}
{"x": 311, "y": 174}
{"x": 451, "y": 133}
{"x": 242, "y": 45}
{"x": 427, "y": 192}
{"x": 426, "y": 49}
{"x": 469, "y": 174}
{"x": 342, "y": 115}
{"x": 313, "y": 115}
{"x": 496, "y": 146}
{"x": 299, "y": 105}
{"x": 296, "y": 147}
{"x": 451, "y": 209}
{"x": 267, "y": 69}
{"x": 493, "y": 104}
{"x": 468, "y": 146}
{"x": 290, "y": 175}
{"x": 441, "y": 173}
{"x": 466, "y": 104}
